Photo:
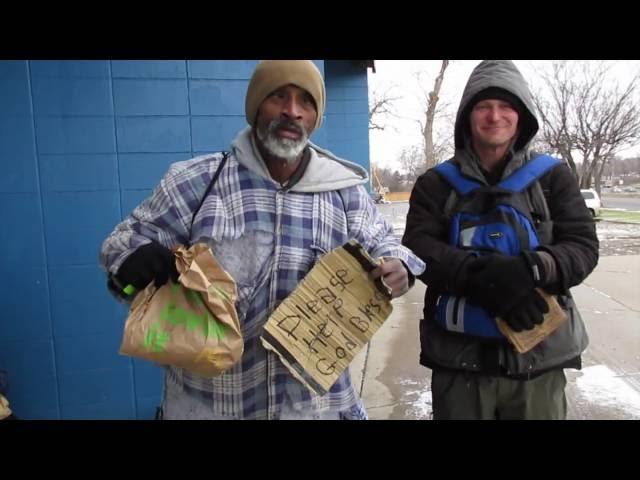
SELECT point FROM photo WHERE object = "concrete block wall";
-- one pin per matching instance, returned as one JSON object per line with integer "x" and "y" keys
{"x": 81, "y": 144}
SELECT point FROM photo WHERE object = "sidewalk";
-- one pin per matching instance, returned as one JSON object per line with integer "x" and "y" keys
{"x": 394, "y": 386}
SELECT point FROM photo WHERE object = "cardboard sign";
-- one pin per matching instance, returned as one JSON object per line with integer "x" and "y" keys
{"x": 527, "y": 339}
{"x": 329, "y": 317}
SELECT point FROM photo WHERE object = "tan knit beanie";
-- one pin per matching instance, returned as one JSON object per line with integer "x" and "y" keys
{"x": 270, "y": 75}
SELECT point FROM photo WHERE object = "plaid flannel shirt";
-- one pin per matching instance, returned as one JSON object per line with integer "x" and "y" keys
{"x": 267, "y": 238}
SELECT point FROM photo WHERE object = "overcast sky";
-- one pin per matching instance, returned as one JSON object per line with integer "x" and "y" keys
{"x": 401, "y": 75}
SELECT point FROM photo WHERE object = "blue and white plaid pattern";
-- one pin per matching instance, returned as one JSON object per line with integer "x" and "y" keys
{"x": 268, "y": 239}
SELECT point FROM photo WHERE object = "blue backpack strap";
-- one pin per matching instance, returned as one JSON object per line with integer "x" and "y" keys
{"x": 529, "y": 173}
{"x": 451, "y": 173}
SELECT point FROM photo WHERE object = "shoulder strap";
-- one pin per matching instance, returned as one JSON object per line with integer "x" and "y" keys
{"x": 451, "y": 173}
{"x": 516, "y": 182}
{"x": 450, "y": 203}
{"x": 541, "y": 195}
{"x": 529, "y": 173}
{"x": 209, "y": 187}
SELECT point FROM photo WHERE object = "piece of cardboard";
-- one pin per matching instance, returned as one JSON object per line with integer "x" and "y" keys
{"x": 527, "y": 339}
{"x": 329, "y": 317}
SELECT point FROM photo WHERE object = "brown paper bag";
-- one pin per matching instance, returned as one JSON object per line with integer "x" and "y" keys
{"x": 5, "y": 411}
{"x": 527, "y": 339}
{"x": 192, "y": 324}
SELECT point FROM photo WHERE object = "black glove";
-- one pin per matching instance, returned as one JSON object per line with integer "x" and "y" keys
{"x": 498, "y": 282}
{"x": 149, "y": 262}
{"x": 527, "y": 313}
{"x": 459, "y": 282}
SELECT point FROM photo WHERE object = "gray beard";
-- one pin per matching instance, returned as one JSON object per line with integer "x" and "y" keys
{"x": 286, "y": 149}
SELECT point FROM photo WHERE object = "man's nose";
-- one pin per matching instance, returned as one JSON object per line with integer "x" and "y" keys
{"x": 494, "y": 114}
{"x": 292, "y": 108}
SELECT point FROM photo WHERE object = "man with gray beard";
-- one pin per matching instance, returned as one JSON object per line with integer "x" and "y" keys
{"x": 269, "y": 210}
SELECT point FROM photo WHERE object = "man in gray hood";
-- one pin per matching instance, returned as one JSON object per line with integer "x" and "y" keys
{"x": 276, "y": 204}
{"x": 476, "y": 376}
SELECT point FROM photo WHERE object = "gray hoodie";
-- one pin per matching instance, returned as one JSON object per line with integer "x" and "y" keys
{"x": 505, "y": 75}
{"x": 501, "y": 74}
{"x": 325, "y": 171}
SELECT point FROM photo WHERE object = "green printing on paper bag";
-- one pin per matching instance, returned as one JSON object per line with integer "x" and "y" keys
{"x": 175, "y": 315}
{"x": 156, "y": 339}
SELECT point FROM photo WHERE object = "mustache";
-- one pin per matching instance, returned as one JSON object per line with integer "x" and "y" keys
{"x": 288, "y": 124}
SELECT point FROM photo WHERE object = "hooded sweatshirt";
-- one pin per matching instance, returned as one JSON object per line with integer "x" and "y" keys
{"x": 324, "y": 172}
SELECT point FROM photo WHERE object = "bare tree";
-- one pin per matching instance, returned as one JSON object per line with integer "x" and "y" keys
{"x": 384, "y": 178}
{"x": 632, "y": 164}
{"x": 434, "y": 148}
{"x": 608, "y": 120}
{"x": 380, "y": 107}
{"x": 412, "y": 162}
{"x": 391, "y": 180}
{"x": 622, "y": 166}
{"x": 555, "y": 110}
{"x": 589, "y": 114}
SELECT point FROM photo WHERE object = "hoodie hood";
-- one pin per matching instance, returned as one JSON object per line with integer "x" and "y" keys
{"x": 325, "y": 171}
{"x": 500, "y": 74}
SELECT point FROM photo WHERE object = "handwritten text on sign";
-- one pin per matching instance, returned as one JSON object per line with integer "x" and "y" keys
{"x": 327, "y": 320}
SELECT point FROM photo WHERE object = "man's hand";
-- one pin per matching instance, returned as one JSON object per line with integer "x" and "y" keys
{"x": 498, "y": 282}
{"x": 151, "y": 262}
{"x": 527, "y": 313}
{"x": 394, "y": 275}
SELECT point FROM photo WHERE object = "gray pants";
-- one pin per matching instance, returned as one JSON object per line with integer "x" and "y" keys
{"x": 470, "y": 396}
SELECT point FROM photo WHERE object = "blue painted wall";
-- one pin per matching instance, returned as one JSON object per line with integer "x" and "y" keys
{"x": 81, "y": 144}
{"x": 347, "y": 114}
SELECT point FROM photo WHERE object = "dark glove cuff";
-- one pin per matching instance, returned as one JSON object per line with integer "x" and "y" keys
{"x": 117, "y": 289}
{"x": 536, "y": 267}
{"x": 458, "y": 281}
